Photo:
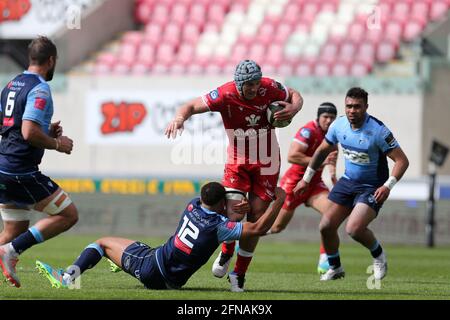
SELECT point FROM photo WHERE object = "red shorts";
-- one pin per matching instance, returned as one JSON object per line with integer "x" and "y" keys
{"x": 288, "y": 183}
{"x": 249, "y": 178}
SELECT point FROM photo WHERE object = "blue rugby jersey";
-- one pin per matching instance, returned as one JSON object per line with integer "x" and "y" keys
{"x": 364, "y": 149}
{"x": 198, "y": 235}
{"x": 26, "y": 97}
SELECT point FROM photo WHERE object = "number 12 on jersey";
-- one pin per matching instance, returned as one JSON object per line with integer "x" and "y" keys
{"x": 188, "y": 232}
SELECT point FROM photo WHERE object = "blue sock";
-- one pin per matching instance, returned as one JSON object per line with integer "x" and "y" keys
{"x": 27, "y": 239}
{"x": 376, "y": 250}
{"x": 334, "y": 260}
{"x": 90, "y": 256}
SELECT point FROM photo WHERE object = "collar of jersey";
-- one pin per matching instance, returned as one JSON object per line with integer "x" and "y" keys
{"x": 208, "y": 211}
{"x": 36, "y": 74}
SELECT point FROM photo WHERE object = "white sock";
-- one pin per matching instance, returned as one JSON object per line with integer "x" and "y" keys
{"x": 323, "y": 257}
{"x": 10, "y": 249}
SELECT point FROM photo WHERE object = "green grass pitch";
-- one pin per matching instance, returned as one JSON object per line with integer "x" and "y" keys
{"x": 280, "y": 270}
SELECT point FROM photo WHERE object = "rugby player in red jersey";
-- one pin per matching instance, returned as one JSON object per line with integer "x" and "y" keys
{"x": 253, "y": 160}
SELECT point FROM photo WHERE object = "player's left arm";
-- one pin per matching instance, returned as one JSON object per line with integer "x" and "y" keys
{"x": 401, "y": 164}
{"x": 292, "y": 105}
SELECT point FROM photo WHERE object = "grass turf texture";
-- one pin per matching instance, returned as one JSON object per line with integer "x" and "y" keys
{"x": 280, "y": 270}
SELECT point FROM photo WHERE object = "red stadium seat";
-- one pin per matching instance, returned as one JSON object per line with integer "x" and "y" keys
{"x": 165, "y": 53}
{"x": 322, "y": 69}
{"x": 194, "y": 69}
{"x": 347, "y": 51}
{"x": 340, "y": 69}
{"x": 143, "y": 12}
{"x": 303, "y": 70}
{"x": 179, "y": 13}
{"x": 140, "y": 69}
{"x": 177, "y": 69}
{"x": 359, "y": 69}
{"x": 385, "y": 51}
{"x": 146, "y": 54}
{"x": 329, "y": 52}
{"x": 172, "y": 34}
{"x": 412, "y": 30}
{"x": 197, "y": 14}
{"x": 127, "y": 53}
{"x": 285, "y": 70}
{"x": 438, "y": 9}
{"x": 393, "y": 31}
{"x": 190, "y": 33}
{"x": 239, "y": 52}
{"x": 186, "y": 53}
{"x": 356, "y": 32}
{"x": 282, "y": 33}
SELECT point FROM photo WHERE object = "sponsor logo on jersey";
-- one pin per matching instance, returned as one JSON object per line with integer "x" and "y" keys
{"x": 305, "y": 133}
{"x": 40, "y": 103}
{"x": 252, "y": 120}
{"x": 190, "y": 207}
{"x": 231, "y": 225}
{"x": 214, "y": 94}
{"x": 356, "y": 157}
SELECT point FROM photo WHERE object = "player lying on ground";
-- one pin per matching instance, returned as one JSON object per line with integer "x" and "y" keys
{"x": 202, "y": 228}
{"x": 305, "y": 142}
{"x": 366, "y": 143}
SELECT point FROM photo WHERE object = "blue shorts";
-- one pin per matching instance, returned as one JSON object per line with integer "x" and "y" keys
{"x": 348, "y": 193}
{"x": 25, "y": 190}
{"x": 139, "y": 260}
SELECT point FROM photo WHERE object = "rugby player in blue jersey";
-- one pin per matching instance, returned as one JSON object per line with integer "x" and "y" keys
{"x": 365, "y": 185}
{"x": 202, "y": 228}
{"x": 26, "y": 130}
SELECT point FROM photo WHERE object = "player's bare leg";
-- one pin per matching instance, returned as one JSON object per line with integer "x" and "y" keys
{"x": 247, "y": 246}
{"x": 320, "y": 203}
{"x": 114, "y": 247}
{"x": 361, "y": 216}
{"x": 52, "y": 225}
{"x": 62, "y": 215}
{"x": 110, "y": 247}
{"x": 329, "y": 225}
{"x": 283, "y": 219}
{"x": 223, "y": 260}
{"x": 12, "y": 229}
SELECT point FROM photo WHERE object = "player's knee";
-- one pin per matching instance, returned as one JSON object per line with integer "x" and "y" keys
{"x": 102, "y": 242}
{"x": 277, "y": 228}
{"x": 72, "y": 214}
{"x": 69, "y": 216}
{"x": 353, "y": 231}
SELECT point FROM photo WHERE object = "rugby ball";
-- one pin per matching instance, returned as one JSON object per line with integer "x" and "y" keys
{"x": 271, "y": 109}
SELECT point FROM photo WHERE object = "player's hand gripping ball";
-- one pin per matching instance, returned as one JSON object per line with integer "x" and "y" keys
{"x": 271, "y": 110}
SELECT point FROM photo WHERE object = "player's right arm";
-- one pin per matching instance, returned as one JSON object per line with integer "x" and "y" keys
{"x": 190, "y": 108}
{"x": 263, "y": 224}
{"x": 317, "y": 160}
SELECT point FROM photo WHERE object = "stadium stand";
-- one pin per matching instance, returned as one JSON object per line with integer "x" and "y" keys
{"x": 287, "y": 37}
